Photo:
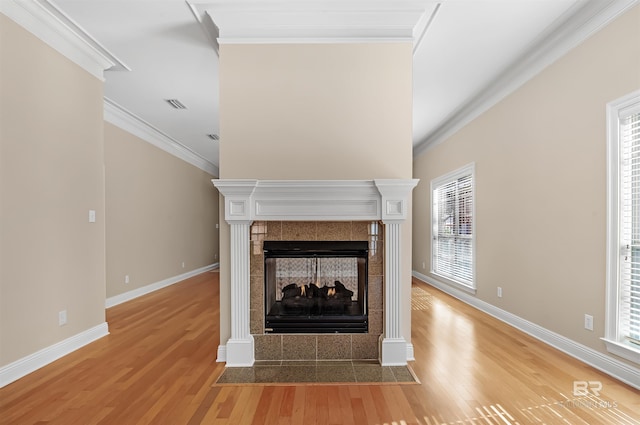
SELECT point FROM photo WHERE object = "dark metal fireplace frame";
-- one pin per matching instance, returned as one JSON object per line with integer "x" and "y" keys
{"x": 353, "y": 319}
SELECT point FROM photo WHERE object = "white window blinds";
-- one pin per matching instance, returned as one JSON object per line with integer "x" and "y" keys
{"x": 452, "y": 213}
{"x": 629, "y": 285}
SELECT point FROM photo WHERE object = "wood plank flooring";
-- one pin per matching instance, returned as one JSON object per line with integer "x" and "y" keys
{"x": 158, "y": 365}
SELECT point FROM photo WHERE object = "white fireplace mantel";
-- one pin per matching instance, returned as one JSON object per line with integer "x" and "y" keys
{"x": 314, "y": 200}
{"x": 317, "y": 200}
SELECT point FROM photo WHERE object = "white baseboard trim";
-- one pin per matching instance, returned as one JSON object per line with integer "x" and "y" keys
{"x": 138, "y": 292}
{"x": 24, "y": 366}
{"x": 410, "y": 356}
{"x": 222, "y": 354}
{"x": 609, "y": 365}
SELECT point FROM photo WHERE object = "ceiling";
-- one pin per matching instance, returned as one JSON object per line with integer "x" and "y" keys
{"x": 471, "y": 53}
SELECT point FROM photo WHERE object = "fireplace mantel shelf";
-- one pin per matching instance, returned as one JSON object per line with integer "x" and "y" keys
{"x": 378, "y": 199}
{"x": 314, "y": 200}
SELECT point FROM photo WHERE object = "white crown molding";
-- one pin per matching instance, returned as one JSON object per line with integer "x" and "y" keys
{"x": 583, "y": 21}
{"x": 122, "y": 118}
{"x": 607, "y": 364}
{"x": 206, "y": 24}
{"x": 24, "y": 366}
{"x": 138, "y": 292}
{"x": 44, "y": 20}
{"x": 316, "y": 21}
{"x": 314, "y": 40}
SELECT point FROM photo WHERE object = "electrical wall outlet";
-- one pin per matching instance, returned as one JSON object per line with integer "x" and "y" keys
{"x": 499, "y": 292}
{"x": 588, "y": 322}
{"x": 126, "y": 278}
{"x": 62, "y": 318}
{"x": 183, "y": 264}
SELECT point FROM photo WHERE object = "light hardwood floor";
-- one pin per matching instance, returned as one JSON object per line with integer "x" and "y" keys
{"x": 158, "y": 365}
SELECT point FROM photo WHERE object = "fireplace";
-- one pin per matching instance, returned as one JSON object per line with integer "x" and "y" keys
{"x": 306, "y": 205}
{"x": 316, "y": 286}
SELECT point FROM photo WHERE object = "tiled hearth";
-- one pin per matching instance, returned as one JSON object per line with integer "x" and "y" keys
{"x": 341, "y": 346}
{"x": 321, "y": 371}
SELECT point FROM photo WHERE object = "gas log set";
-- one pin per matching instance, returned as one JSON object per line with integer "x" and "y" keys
{"x": 311, "y": 299}
{"x": 316, "y": 286}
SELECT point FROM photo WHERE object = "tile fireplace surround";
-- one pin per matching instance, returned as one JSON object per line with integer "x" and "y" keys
{"x": 259, "y": 210}
{"x": 325, "y": 346}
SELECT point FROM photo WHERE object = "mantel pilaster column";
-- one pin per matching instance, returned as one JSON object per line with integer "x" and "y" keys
{"x": 237, "y": 195}
{"x": 240, "y": 347}
{"x": 393, "y": 350}
{"x": 395, "y": 195}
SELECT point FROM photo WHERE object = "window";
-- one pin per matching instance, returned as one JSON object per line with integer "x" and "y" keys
{"x": 452, "y": 206}
{"x": 622, "y": 333}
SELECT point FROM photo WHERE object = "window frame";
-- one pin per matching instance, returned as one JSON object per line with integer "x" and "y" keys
{"x": 467, "y": 170}
{"x": 614, "y": 341}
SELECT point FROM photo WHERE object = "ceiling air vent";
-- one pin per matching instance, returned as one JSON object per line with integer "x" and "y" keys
{"x": 175, "y": 103}
{"x": 213, "y": 136}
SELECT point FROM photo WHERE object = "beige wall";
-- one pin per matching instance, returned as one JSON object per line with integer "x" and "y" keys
{"x": 320, "y": 111}
{"x": 51, "y": 175}
{"x": 540, "y": 158}
{"x": 58, "y": 160}
{"x": 161, "y": 212}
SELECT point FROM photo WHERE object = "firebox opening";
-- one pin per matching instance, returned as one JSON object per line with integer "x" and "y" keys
{"x": 316, "y": 286}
